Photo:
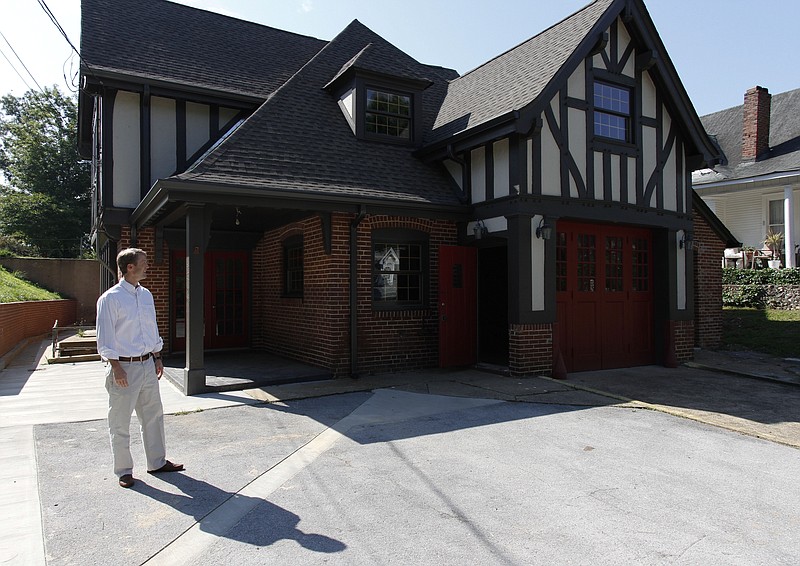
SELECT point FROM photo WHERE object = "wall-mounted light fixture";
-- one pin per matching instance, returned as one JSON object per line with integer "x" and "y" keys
{"x": 687, "y": 241}
{"x": 479, "y": 229}
{"x": 544, "y": 230}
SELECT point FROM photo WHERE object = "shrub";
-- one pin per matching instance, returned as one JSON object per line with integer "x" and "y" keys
{"x": 743, "y": 296}
{"x": 731, "y": 276}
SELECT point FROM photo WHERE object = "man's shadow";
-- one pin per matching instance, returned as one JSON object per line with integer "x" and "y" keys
{"x": 266, "y": 523}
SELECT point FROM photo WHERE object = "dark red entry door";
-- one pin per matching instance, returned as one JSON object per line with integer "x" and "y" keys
{"x": 225, "y": 304}
{"x": 604, "y": 295}
{"x": 457, "y": 306}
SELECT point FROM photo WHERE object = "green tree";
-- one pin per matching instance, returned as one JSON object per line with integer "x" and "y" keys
{"x": 45, "y": 200}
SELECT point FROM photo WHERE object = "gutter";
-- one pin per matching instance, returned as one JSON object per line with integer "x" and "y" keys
{"x": 785, "y": 175}
{"x": 354, "y": 290}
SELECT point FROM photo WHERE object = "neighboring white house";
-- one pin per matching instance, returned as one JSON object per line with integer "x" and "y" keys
{"x": 756, "y": 188}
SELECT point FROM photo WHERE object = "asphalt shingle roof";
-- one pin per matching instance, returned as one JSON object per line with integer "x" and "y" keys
{"x": 515, "y": 78}
{"x": 298, "y": 140}
{"x": 784, "y": 141}
{"x": 157, "y": 40}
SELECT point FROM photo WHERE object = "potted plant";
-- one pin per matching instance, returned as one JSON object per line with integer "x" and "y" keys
{"x": 774, "y": 241}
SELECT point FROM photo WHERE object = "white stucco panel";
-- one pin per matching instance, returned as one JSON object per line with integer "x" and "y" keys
{"x": 227, "y": 115}
{"x": 537, "y": 269}
{"x": 125, "y": 140}
{"x": 670, "y": 183}
{"x": 455, "y": 172}
{"x": 623, "y": 40}
{"x": 649, "y": 148}
{"x": 648, "y": 96}
{"x": 551, "y": 163}
{"x": 162, "y": 138}
{"x": 529, "y": 158}
{"x": 576, "y": 84}
{"x": 197, "y": 127}
{"x": 577, "y": 141}
{"x": 680, "y": 271}
{"x": 616, "y": 180}
{"x": 501, "y": 168}
{"x": 478, "y": 174}
{"x": 599, "y": 185}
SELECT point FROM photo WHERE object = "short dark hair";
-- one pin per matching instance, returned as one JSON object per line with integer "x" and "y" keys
{"x": 127, "y": 256}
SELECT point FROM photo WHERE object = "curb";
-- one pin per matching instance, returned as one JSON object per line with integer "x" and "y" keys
{"x": 762, "y": 377}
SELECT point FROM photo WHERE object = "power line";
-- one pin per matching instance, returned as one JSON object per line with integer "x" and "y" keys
{"x": 53, "y": 19}
{"x": 15, "y": 69}
{"x": 21, "y": 62}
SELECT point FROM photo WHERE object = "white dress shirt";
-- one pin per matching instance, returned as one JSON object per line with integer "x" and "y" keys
{"x": 126, "y": 322}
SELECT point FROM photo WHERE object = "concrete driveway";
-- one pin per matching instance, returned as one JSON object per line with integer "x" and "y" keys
{"x": 436, "y": 468}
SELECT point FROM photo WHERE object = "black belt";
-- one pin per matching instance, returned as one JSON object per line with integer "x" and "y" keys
{"x": 142, "y": 358}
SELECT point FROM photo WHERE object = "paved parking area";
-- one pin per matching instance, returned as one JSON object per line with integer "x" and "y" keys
{"x": 651, "y": 466}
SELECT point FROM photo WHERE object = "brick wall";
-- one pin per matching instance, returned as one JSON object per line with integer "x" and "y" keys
{"x": 708, "y": 251}
{"x": 684, "y": 340}
{"x": 157, "y": 281}
{"x": 22, "y": 320}
{"x": 316, "y": 328}
{"x": 530, "y": 349}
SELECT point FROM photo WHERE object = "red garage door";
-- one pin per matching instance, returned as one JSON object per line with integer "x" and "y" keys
{"x": 604, "y": 294}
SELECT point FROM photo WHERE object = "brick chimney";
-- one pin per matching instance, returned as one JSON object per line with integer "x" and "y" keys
{"x": 755, "y": 126}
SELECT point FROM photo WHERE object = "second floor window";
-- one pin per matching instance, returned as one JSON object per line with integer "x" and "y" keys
{"x": 388, "y": 114}
{"x": 612, "y": 112}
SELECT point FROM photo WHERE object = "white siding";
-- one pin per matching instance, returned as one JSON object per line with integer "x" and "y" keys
{"x": 125, "y": 140}
{"x": 162, "y": 138}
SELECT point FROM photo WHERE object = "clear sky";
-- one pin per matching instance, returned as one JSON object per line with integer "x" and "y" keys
{"x": 719, "y": 47}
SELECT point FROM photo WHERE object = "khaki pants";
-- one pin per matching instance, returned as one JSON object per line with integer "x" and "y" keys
{"x": 143, "y": 396}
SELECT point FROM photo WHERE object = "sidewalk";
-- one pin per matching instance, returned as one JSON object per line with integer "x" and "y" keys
{"x": 35, "y": 399}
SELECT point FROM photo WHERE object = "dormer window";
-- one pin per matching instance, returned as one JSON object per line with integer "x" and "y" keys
{"x": 388, "y": 114}
{"x": 379, "y": 106}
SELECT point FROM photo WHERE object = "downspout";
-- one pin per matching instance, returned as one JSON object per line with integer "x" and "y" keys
{"x": 354, "y": 290}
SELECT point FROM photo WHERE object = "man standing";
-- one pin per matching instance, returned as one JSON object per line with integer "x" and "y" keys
{"x": 127, "y": 337}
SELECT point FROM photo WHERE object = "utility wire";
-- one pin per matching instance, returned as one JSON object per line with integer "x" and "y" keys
{"x": 21, "y": 62}
{"x": 53, "y": 19}
{"x": 15, "y": 70}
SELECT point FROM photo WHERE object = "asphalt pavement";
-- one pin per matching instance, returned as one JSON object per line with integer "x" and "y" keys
{"x": 692, "y": 465}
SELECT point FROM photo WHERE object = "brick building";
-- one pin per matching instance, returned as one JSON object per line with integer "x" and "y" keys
{"x": 339, "y": 203}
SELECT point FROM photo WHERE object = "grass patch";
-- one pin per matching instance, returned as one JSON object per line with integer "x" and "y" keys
{"x": 15, "y": 289}
{"x": 774, "y": 332}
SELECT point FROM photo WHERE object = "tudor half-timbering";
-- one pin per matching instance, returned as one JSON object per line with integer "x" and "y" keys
{"x": 360, "y": 211}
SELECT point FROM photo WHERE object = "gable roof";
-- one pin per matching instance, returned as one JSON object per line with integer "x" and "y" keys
{"x": 527, "y": 76}
{"x": 512, "y": 80}
{"x": 784, "y": 140}
{"x": 156, "y": 40}
{"x": 298, "y": 140}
